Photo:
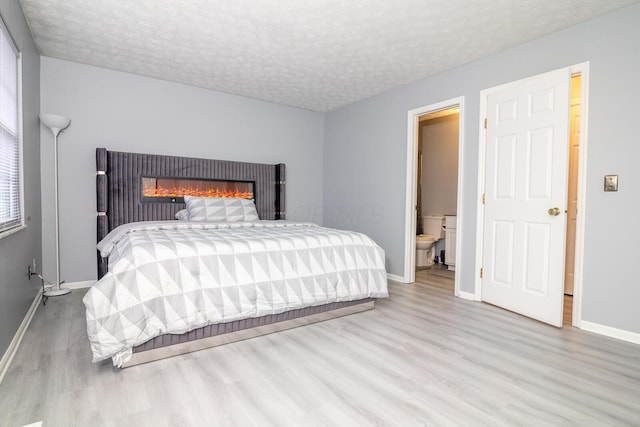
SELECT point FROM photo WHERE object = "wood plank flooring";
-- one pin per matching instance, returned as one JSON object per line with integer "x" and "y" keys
{"x": 422, "y": 357}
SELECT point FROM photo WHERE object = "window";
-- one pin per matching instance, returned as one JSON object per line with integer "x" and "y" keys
{"x": 11, "y": 215}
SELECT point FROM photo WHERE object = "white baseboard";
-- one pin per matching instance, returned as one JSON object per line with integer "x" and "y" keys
{"x": 467, "y": 295}
{"x": 79, "y": 285}
{"x": 396, "y": 278}
{"x": 619, "y": 334}
{"x": 17, "y": 338}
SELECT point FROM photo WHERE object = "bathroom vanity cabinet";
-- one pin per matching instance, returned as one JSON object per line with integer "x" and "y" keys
{"x": 450, "y": 241}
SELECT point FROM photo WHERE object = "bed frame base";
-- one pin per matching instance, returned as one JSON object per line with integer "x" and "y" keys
{"x": 202, "y": 344}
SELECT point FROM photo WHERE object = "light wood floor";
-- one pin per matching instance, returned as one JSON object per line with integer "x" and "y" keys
{"x": 422, "y": 357}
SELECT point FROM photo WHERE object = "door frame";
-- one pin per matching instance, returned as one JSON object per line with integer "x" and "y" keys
{"x": 413, "y": 120}
{"x": 583, "y": 70}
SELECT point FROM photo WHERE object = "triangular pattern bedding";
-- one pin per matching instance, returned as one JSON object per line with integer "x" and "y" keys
{"x": 175, "y": 276}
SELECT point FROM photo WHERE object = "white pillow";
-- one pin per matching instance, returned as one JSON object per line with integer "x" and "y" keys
{"x": 182, "y": 215}
{"x": 220, "y": 209}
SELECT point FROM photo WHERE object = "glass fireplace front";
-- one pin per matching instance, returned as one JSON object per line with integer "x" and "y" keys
{"x": 173, "y": 190}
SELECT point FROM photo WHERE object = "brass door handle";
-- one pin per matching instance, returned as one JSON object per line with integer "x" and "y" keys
{"x": 554, "y": 211}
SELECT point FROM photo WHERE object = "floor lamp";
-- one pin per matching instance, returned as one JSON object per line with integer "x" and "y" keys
{"x": 56, "y": 124}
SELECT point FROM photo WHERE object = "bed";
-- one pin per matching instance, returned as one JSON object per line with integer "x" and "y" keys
{"x": 235, "y": 269}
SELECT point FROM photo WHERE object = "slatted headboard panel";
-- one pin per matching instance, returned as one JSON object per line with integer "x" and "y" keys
{"x": 119, "y": 181}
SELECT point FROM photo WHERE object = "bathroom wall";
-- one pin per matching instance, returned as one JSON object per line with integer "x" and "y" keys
{"x": 439, "y": 139}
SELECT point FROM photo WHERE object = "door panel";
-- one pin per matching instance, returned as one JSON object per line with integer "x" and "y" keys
{"x": 526, "y": 176}
{"x": 506, "y": 163}
{"x": 539, "y": 163}
{"x": 503, "y": 253}
{"x": 536, "y": 243}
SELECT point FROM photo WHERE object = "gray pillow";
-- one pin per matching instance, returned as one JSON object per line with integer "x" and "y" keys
{"x": 220, "y": 209}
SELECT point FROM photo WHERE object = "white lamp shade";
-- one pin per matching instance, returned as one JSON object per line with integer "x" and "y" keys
{"x": 55, "y": 122}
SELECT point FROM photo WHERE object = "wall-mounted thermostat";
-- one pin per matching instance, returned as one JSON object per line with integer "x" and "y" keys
{"x": 611, "y": 183}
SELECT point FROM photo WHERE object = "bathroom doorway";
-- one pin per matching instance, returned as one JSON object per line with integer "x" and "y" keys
{"x": 434, "y": 187}
{"x": 437, "y": 192}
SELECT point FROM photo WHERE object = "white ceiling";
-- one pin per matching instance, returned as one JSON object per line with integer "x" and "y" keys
{"x": 313, "y": 54}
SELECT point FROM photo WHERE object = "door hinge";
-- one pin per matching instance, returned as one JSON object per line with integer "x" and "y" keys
{"x": 484, "y": 198}
{"x": 485, "y": 122}
{"x": 481, "y": 272}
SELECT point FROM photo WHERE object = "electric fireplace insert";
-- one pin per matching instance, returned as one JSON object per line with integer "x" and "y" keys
{"x": 173, "y": 190}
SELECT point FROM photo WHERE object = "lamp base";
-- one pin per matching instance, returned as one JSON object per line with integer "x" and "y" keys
{"x": 56, "y": 292}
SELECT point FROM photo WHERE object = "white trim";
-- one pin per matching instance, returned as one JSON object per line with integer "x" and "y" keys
{"x": 23, "y": 214}
{"x": 583, "y": 69}
{"x": 79, "y": 285}
{"x": 10, "y": 231}
{"x": 411, "y": 195}
{"x": 467, "y": 295}
{"x": 619, "y": 334}
{"x": 396, "y": 278}
{"x": 411, "y": 187}
{"x": 5, "y": 362}
{"x": 459, "y": 211}
{"x": 482, "y": 148}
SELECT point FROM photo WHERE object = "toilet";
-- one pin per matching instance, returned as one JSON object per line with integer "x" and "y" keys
{"x": 425, "y": 243}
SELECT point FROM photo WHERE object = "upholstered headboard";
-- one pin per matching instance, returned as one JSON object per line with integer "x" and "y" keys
{"x": 119, "y": 187}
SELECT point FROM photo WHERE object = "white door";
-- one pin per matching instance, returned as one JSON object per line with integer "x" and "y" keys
{"x": 526, "y": 196}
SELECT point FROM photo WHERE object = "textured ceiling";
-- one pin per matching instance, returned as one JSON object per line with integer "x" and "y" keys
{"x": 313, "y": 54}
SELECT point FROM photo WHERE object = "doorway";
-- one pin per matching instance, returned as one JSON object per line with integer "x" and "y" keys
{"x": 523, "y": 252}
{"x": 437, "y": 187}
{"x": 438, "y": 146}
{"x": 415, "y": 118}
{"x": 572, "y": 195}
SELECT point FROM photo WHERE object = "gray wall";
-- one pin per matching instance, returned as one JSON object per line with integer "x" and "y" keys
{"x": 17, "y": 250}
{"x": 439, "y": 139}
{"x": 126, "y": 112}
{"x": 365, "y": 155}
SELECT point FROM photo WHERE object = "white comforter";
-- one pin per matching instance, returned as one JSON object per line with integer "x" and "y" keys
{"x": 175, "y": 276}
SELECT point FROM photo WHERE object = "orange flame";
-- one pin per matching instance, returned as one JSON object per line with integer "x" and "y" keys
{"x": 156, "y": 187}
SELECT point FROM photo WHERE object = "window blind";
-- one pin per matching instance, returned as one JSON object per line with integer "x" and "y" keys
{"x": 10, "y": 135}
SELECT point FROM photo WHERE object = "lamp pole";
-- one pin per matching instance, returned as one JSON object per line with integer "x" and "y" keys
{"x": 56, "y": 124}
